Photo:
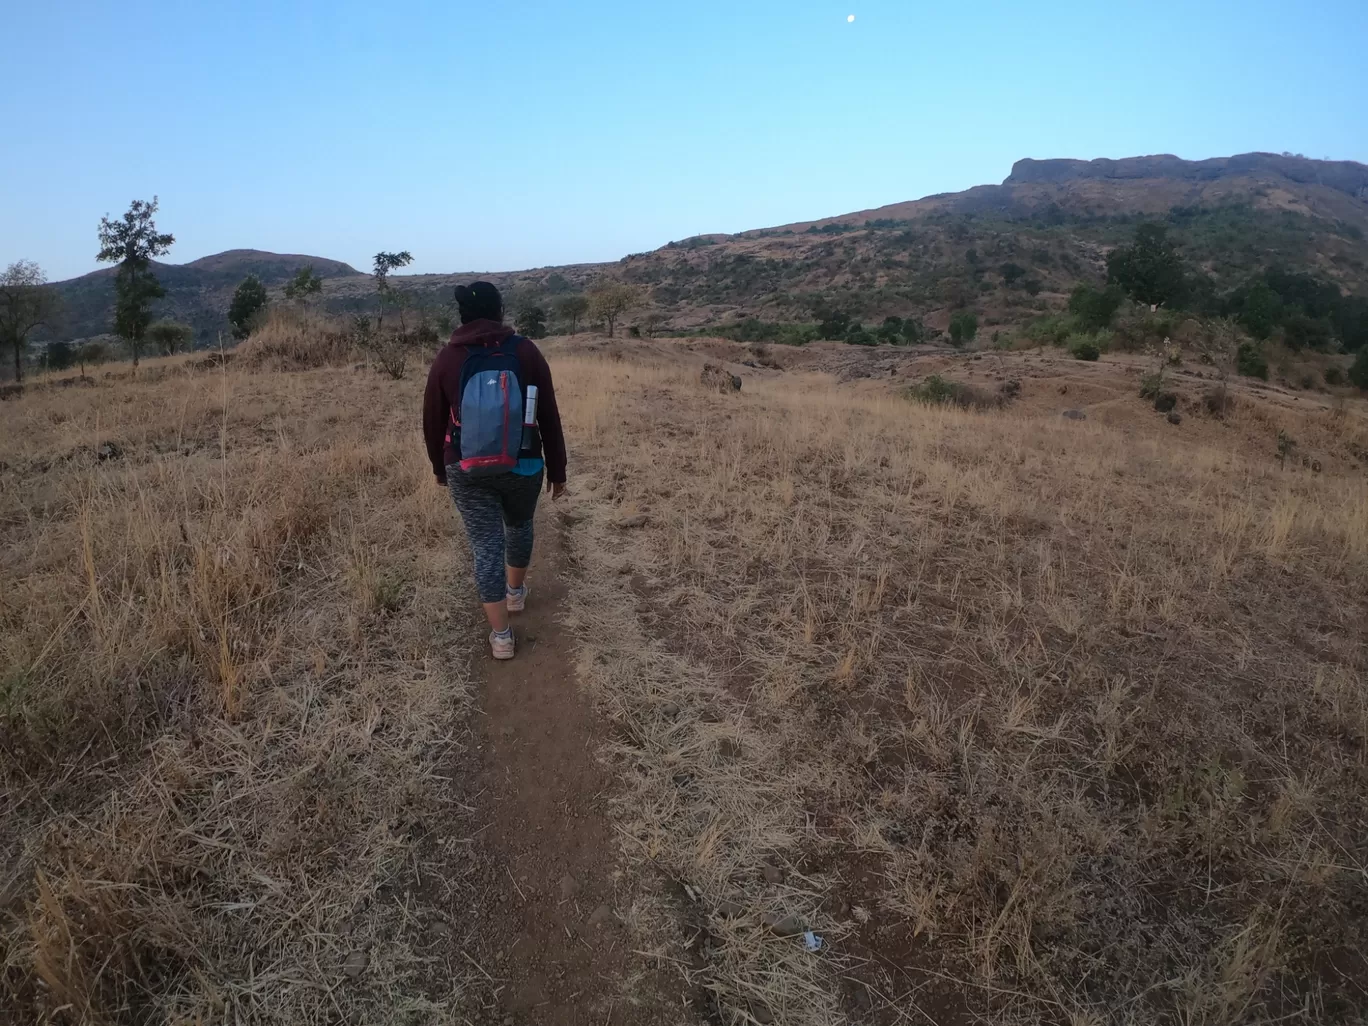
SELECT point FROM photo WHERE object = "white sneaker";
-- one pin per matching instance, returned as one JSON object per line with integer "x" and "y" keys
{"x": 502, "y": 647}
{"x": 517, "y": 600}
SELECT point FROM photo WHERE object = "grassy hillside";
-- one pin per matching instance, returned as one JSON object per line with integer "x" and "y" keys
{"x": 1029, "y": 719}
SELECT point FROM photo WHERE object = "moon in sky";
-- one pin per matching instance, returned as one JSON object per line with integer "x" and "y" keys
{"x": 850, "y": 18}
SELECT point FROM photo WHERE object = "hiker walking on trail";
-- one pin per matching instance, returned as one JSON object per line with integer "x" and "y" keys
{"x": 493, "y": 431}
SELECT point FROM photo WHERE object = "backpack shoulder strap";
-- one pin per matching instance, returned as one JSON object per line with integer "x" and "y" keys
{"x": 510, "y": 344}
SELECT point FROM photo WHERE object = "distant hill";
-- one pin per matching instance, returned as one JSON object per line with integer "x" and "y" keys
{"x": 1009, "y": 251}
{"x": 272, "y": 268}
{"x": 1048, "y": 226}
{"x": 198, "y": 293}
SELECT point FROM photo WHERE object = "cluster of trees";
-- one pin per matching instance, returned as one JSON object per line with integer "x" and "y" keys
{"x": 64, "y": 355}
{"x": 250, "y": 298}
{"x": 605, "y": 301}
{"x": 1093, "y": 309}
{"x": 1309, "y": 313}
{"x": 1016, "y": 276}
{"x": 1305, "y": 311}
{"x": 26, "y": 302}
{"x": 963, "y": 327}
{"x": 129, "y": 242}
{"x": 838, "y": 326}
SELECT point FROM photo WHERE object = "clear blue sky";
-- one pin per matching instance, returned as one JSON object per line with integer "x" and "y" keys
{"x": 505, "y": 135}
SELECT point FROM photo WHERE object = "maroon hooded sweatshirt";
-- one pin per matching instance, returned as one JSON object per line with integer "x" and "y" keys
{"x": 444, "y": 391}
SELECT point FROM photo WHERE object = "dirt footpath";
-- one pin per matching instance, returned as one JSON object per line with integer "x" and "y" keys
{"x": 547, "y": 936}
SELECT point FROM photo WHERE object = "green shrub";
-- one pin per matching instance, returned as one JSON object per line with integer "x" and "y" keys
{"x": 1134, "y": 333}
{"x": 833, "y": 324}
{"x": 1084, "y": 347}
{"x": 963, "y": 327}
{"x": 1165, "y": 401}
{"x": 1358, "y": 373}
{"x": 1053, "y": 329}
{"x": 1301, "y": 332}
{"x": 1334, "y": 377}
{"x": 914, "y": 331}
{"x": 939, "y": 391}
{"x": 1250, "y": 361}
{"x": 1150, "y": 385}
{"x": 60, "y": 355}
{"x": 755, "y": 330}
{"x": 1094, "y": 309}
{"x": 859, "y": 335}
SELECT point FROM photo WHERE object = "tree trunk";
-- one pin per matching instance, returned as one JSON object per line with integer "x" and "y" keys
{"x": 611, "y": 319}
{"x": 18, "y": 362}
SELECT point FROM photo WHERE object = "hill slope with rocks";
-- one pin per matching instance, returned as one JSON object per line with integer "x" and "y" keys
{"x": 1008, "y": 251}
{"x": 1012, "y": 249}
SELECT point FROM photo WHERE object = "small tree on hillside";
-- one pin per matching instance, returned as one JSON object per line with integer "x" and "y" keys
{"x": 26, "y": 301}
{"x": 890, "y": 331}
{"x": 94, "y": 353}
{"x": 963, "y": 327}
{"x": 303, "y": 285}
{"x": 609, "y": 300}
{"x": 914, "y": 331}
{"x": 1150, "y": 269}
{"x": 384, "y": 264}
{"x": 832, "y": 324}
{"x": 169, "y": 336}
{"x": 531, "y": 321}
{"x": 1011, "y": 274}
{"x": 131, "y": 242}
{"x": 248, "y": 301}
{"x": 1094, "y": 309}
{"x": 60, "y": 355}
{"x": 572, "y": 308}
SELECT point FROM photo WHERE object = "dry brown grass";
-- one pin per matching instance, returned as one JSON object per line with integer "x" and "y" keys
{"x": 295, "y": 338}
{"x": 228, "y": 671}
{"x": 1043, "y": 720}
{"x": 1031, "y": 719}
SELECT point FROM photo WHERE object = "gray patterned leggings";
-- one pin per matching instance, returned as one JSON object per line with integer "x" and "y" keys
{"x": 497, "y": 512}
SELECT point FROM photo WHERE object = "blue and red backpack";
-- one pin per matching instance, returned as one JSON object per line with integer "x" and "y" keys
{"x": 487, "y": 424}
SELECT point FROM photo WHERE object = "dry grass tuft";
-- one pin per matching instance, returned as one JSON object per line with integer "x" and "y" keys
{"x": 1040, "y": 720}
{"x": 296, "y": 338}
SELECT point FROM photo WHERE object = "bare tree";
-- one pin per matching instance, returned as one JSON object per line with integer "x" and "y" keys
{"x": 1219, "y": 345}
{"x": 26, "y": 301}
{"x": 609, "y": 300}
